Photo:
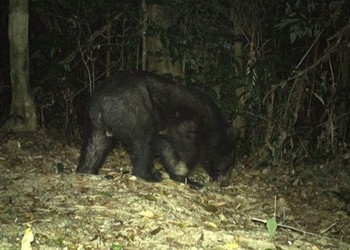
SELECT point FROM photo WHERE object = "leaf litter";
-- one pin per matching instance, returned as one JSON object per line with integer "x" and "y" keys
{"x": 44, "y": 204}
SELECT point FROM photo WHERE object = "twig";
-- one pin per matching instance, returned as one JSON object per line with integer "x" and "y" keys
{"x": 308, "y": 51}
{"x": 325, "y": 230}
{"x": 289, "y": 227}
{"x": 96, "y": 34}
{"x": 275, "y": 211}
{"x": 329, "y": 50}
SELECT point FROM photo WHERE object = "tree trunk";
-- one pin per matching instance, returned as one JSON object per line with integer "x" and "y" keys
{"x": 344, "y": 106}
{"x": 143, "y": 34}
{"x": 240, "y": 121}
{"x": 23, "y": 112}
{"x": 159, "y": 57}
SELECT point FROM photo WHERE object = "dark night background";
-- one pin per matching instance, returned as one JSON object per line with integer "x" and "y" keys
{"x": 294, "y": 77}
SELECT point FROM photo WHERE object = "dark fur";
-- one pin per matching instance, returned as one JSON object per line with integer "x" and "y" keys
{"x": 151, "y": 116}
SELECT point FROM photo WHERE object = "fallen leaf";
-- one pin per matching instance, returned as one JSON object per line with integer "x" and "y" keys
{"x": 232, "y": 245}
{"x": 210, "y": 208}
{"x": 150, "y": 197}
{"x": 211, "y": 224}
{"x": 28, "y": 237}
{"x": 147, "y": 214}
{"x": 219, "y": 203}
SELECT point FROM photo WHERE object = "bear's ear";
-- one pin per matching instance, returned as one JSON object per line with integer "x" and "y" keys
{"x": 232, "y": 132}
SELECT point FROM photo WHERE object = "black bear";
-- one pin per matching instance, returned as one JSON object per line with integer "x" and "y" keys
{"x": 153, "y": 116}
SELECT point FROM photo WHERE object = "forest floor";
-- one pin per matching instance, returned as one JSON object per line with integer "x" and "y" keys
{"x": 40, "y": 194}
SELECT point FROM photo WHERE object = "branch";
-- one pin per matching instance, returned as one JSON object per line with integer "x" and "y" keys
{"x": 325, "y": 55}
{"x": 92, "y": 38}
{"x": 296, "y": 229}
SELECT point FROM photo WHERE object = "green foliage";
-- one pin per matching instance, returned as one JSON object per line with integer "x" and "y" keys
{"x": 291, "y": 90}
{"x": 150, "y": 197}
{"x": 297, "y": 19}
{"x": 271, "y": 226}
{"x": 117, "y": 247}
{"x": 60, "y": 167}
{"x": 59, "y": 242}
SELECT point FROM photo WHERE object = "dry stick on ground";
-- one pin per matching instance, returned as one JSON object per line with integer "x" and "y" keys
{"x": 296, "y": 229}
